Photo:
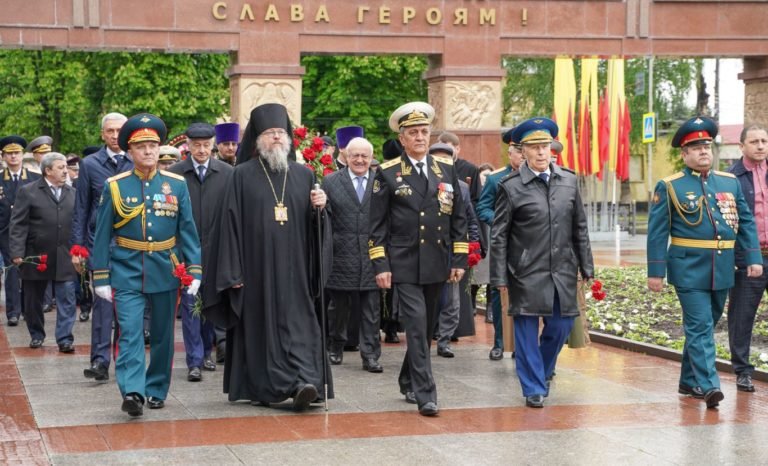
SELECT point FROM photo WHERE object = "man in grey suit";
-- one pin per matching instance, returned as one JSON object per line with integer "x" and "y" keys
{"x": 40, "y": 227}
{"x": 351, "y": 283}
{"x": 207, "y": 179}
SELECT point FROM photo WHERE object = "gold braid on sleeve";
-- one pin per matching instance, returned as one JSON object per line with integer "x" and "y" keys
{"x": 682, "y": 211}
{"x": 125, "y": 212}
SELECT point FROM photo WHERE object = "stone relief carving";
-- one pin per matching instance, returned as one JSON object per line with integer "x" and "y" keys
{"x": 756, "y": 102}
{"x": 435, "y": 99}
{"x": 261, "y": 91}
{"x": 471, "y": 105}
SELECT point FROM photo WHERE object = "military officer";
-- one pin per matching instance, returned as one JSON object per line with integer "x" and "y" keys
{"x": 485, "y": 212}
{"x": 168, "y": 156}
{"x": 148, "y": 215}
{"x": 14, "y": 176}
{"x": 705, "y": 214}
{"x": 417, "y": 213}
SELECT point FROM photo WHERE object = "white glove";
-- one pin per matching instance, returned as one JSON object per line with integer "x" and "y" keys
{"x": 104, "y": 292}
{"x": 193, "y": 287}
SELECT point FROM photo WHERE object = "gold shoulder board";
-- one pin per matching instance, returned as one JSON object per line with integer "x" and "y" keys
{"x": 676, "y": 176}
{"x": 726, "y": 174}
{"x": 119, "y": 176}
{"x": 390, "y": 163}
{"x": 172, "y": 175}
{"x": 499, "y": 170}
{"x": 445, "y": 160}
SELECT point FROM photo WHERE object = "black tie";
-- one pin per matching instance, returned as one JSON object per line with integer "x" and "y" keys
{"x": 422, "y": 172}
{"x": 544, "y": 177}
{"x": 15, "y": 183}
{"x": 201, "y": 172}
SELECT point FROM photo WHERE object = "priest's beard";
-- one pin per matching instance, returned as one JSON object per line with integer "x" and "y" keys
{"x": 275, "y": 156}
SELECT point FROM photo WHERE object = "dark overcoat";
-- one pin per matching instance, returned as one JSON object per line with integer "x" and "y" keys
{"x": 540, "y": 242}
{"x": 352, "y": 269}
{"x": 8, "y": 197}
{"x": 205, "y": 196}
{"x": 41, "y": 225}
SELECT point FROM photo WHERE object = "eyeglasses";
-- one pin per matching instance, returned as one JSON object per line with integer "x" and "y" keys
{"x": 274, "y": 132}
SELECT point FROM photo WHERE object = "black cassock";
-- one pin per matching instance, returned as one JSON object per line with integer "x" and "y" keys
{"x": 273, "y": 336}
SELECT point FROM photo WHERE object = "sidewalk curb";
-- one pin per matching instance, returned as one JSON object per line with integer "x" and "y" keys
{"x": 661, "y": 352}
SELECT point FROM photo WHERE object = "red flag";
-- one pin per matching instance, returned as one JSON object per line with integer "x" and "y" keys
{"x": 604, "y": 133}
{"x": 623, "y": 155}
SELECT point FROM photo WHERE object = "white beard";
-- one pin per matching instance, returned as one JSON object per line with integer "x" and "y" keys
{"x": 276, "y": 157}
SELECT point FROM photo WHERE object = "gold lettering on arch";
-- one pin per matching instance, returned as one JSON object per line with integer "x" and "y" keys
{"x": 409, "y": 13}
{"x": 297, "y": 13}
{"x": 219, "y": 10}
{"x": 434, "y": 16}
{"x": 271, "y": 14}
{"x": 247, "y": 11}
{"x": 488, "y": 15}
{"x": 322, "y": 14}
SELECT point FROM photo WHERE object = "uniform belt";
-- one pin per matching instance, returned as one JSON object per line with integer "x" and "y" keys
{"x": 146, "y": 246}
{"x": 704, "y": 243}
{"x": 764, "y": 251}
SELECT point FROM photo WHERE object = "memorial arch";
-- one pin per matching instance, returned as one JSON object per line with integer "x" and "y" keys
{"x": 465, "y": 41}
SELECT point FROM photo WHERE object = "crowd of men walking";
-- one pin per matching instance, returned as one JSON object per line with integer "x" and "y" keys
{"x": 243, "y": 244}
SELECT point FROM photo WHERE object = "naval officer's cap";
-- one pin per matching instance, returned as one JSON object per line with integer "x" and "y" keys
{"x": 538, "y": 130}
{"x": 140, "y": 128}
{"x": 411, "y": 114}
{"x": 697, "y": 130}
{"x": 12, "y": 143}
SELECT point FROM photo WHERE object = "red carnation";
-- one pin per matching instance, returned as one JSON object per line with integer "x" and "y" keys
{"x": 43, "y": 259}
{"x": 300, "y": 132}
{"x": 598, "y": 295}
{"x": 296, "y": 143}
{"x": 318, "y": 143}
{"x": 597, "y": 285}
{"x": 474, "y": 246}
{"x": 42, "y": 267}
{"x": 186, "y": 280}
{"x": 473, "y": 260}
{"x": 327, "y": 171}
{"x": 180, "y": 270}
{"x": 309, "y": 154}
{"x": 326, "y": 160}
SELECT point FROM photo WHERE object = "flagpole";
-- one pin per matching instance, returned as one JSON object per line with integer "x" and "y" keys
{"x": 650, "y": 145}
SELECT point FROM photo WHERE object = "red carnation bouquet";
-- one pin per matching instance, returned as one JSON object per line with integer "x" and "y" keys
{"x": 311, "y": 149}
{"x": 597, "y": 290}
{"x": 81, "y": 253}
{"x": 185, "y": 279}
{"x": 40, "y": 262}
{"x": 473, "y": 258}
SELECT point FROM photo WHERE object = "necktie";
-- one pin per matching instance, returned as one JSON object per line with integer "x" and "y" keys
{"x": 56, "y": 192}
{"x": 360, "y": 189}
{"x": 422, "y": 171}
{"x": 201, "y": 172}
{"x": 15, "y": 183}
{"x": 544, "y": 177}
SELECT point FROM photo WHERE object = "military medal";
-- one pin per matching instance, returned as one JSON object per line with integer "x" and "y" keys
{"x": 445, "y": 197}
{"x": 398, "y": 178}
{"x": 281, "y": 210}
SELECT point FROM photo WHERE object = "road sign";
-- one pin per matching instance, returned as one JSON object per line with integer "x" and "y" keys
{"x": 649, "y": 127}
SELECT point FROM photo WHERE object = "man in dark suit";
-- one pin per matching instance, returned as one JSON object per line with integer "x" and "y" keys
{"x": 207, "y": 179}
{"x": 465, "y": 170}
{"x": 14, "y": 176}
{"x": 94, "y": 171}
{"x": 40, "y": 228}
{"x": 351, "y": 283}
{"x": 417, "y": 214}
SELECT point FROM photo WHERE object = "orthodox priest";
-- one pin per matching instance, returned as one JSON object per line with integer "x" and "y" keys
{"x": 264, "y": 261}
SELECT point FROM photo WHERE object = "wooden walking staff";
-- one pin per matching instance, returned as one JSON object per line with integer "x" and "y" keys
{"x": 507, "y": 323}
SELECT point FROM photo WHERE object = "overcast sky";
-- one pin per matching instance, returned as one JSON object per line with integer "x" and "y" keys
{"x": 731, "y": 90}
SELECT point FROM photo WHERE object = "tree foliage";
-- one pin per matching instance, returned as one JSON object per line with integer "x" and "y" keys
{"x": 64, "y": 94}
{"x": 350, "y": 90}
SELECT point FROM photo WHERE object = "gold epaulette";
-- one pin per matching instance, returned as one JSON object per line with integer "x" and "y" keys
{"x": 673, "y": 177}
{"x": 172, "y": 175}
{"x": 390, "y": 163}
{"x": 445, "y": 160}
{"x": 499, "y": 170}
{"x": 729, "y": 175}
{"x": 119, "y": 176}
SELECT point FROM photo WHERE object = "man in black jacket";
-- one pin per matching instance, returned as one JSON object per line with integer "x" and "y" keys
{"x": 351, "y": 283}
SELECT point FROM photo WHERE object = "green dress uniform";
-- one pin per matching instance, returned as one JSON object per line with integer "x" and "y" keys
{"x": 705, "y": 215}
{"x": 148, "y": 222}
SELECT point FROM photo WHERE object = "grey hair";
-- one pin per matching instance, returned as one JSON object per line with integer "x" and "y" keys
{"x": 49, "y": 158}
{"x": 113, "y": 116}
{"x": 362, "y": 142}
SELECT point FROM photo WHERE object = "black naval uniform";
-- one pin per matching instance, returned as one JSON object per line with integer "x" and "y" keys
{"x": 413, "y": 223}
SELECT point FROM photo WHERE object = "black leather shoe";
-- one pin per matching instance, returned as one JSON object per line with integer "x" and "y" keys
{"x": 744, "y": 383}
{"x": 221, "y": 352}
{"x": 155, "y": 403}
{"x": 496, "y": 354}
{"x": 429, "y": 409}
{"x": 133, "y": 405}
{"x": 194, "y": 374}
{"x": 36, "y": 343}
{"x": 146, "y": 337}
{"x": 13, "y": 321}
{"x": 84, "y": 316}
{"x": 446, "y": 352}
{"x": 534, "y": 401}
{"x": 372, "y": 365}
{"x": 713, "y": 398}
{"x": 208, "y": 363}
{"x": 335, "y": 358}
{"x": 549, "y": 384}
{"x": 97, "y": 371}
{"x": 690, "y": 391}
{"x": 47, "y": 309}
{"x": 410, "y": 397}
{"x": 304, "y": 396}
{"x": 66, "y": 348}
{"x": 391, "y": 337}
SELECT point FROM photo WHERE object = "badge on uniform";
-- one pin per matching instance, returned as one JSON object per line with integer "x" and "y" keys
{"x": 403, "y": 190}
{"x": 726, "y": 202}
{"x": 2, "y": 193}
{"x": 376, "y": 186}
{"x": 692, "y": 201}
{"x": 445, "y": 197}
{"x": 656, "y": 198}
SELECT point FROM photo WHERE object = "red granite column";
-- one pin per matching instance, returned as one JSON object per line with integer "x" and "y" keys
{"x": 755, "y": 77}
